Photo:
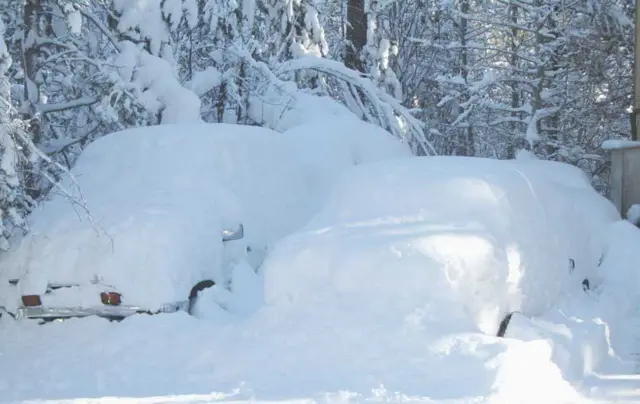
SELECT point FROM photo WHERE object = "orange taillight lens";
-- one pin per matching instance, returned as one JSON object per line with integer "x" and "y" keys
{"x": 111, "y": 298}
{"x": 31, "y": 300}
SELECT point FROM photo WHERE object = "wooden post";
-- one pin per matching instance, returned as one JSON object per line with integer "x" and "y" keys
{"x": 635, "y": 117}
{"x": 624, "y": 178}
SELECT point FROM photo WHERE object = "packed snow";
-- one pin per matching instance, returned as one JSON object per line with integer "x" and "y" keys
{"x": 390, "y": 287}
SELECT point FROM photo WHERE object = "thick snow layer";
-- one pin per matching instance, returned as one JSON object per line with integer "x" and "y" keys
{"x": 379, "y": 299}
{"x": 287, "y": 356}
{"x": 473, "y": 238}
{"x": 157, "y": 200}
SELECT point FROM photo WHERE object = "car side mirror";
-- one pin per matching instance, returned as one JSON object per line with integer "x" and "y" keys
{"x": 233, "y": 234}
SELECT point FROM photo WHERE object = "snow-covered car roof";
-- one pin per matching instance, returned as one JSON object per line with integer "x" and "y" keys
{"x": 465, "y": 240}
{"x": 157, "y": 199}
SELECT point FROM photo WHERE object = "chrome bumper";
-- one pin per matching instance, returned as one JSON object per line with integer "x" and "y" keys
{"x": 52, "y": 313}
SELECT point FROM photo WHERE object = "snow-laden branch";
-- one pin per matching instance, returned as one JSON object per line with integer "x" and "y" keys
{"x": 101, "y": 27}
{"x": 64, "y": 145}
{"x": 385, "y": 105}
{"x": 80, "y": 102}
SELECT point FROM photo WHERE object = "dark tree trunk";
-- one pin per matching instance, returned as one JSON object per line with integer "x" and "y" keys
{"x": 356, "y": 34}
{"x": 30, "y": 49}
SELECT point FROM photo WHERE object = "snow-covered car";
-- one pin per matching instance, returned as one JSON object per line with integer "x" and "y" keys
{"x": 474, "y": 238}
{"x": 151, "y": 217}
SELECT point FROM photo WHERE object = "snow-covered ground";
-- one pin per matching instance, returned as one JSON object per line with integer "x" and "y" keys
{"x": 393, "y": 291}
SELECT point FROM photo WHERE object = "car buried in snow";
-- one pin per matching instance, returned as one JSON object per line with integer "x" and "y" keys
{"x": 149, "y": 218}
{"x": 56, "y": 302}
{"x": 478, "y": 238}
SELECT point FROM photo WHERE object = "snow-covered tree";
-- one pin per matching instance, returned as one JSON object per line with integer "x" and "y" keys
{"x": 145, "y": 61}
{"x": 469, "y": 77}
{"x": 13, "y": 204}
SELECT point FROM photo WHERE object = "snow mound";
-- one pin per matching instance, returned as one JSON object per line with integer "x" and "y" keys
{"x": 345, "y": 143}
{"x": 473, "y": 238}
{"x": 276, "y": 356}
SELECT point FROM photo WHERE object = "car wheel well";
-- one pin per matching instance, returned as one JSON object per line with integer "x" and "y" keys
{"x": 502, "y": 330}
{"x": 197, "y": 288}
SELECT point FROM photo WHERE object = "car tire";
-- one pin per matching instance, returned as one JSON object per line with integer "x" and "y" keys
{"x": 195, "y": 290}
{"x": 504, "y": 324}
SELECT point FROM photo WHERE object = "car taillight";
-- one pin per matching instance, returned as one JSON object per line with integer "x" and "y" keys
{"x": 31, "y": 300}
{"x": 111, "y": 298}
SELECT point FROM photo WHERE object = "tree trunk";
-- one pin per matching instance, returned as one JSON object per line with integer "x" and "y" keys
{"x": 515, "y": 90}
{"x": 356, "y": 34}
{"x": 32, "y": 15}
{"x": 467, "y": 139}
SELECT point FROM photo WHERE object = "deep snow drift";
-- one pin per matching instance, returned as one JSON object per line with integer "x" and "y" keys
{"x": 391, "y": 293}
